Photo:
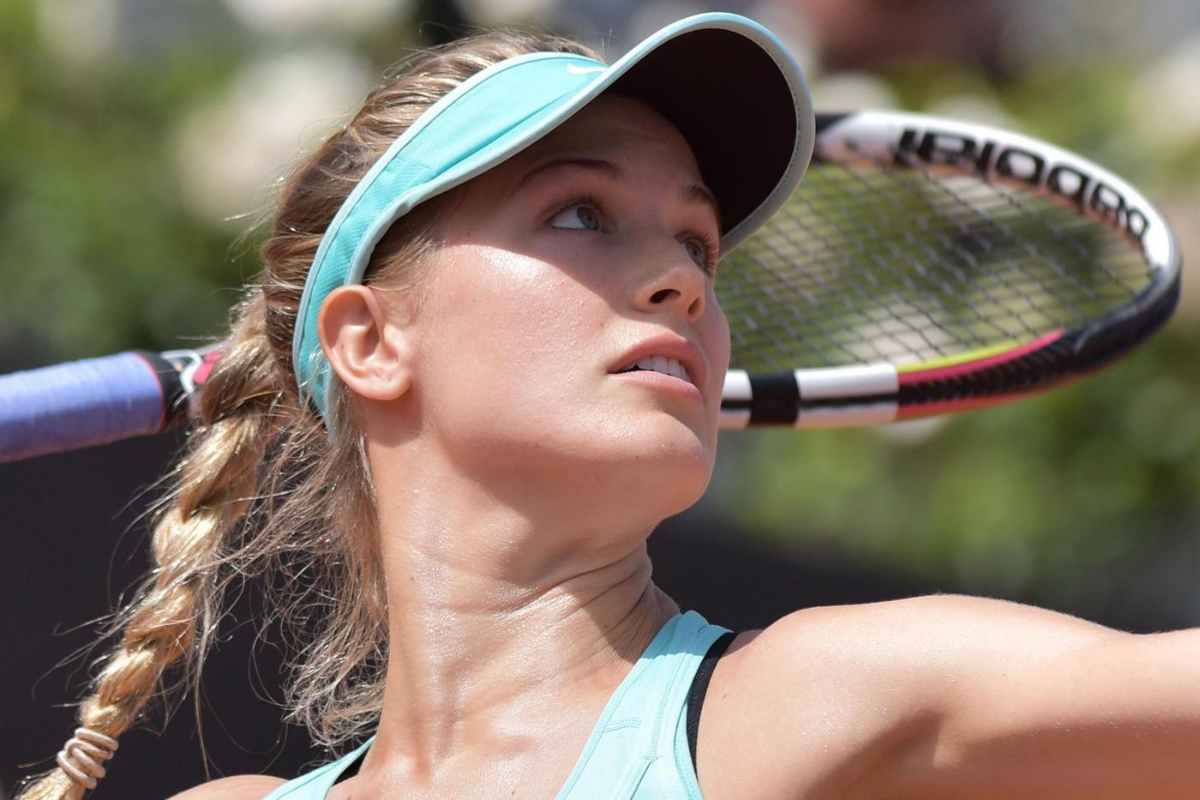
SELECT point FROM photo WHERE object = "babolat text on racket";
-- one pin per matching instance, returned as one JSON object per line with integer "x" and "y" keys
{"x": 927, "y": 266}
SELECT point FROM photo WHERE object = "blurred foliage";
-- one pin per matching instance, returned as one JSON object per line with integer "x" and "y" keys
{"x": 100, "y": 254}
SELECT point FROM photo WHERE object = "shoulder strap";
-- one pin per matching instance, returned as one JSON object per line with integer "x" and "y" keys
{"x": 644, "y": 716}
{"x": 695, "y": 699}
{"x": 315, "y": 785}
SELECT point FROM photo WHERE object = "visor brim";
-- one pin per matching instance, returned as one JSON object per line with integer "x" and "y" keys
{"x": 740, "y": 101}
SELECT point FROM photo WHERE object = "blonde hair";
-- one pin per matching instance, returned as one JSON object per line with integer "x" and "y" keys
{"x": 261, "y": 489}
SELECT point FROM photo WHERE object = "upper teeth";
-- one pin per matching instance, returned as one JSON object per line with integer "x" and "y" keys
{"x": 668, "y": 366}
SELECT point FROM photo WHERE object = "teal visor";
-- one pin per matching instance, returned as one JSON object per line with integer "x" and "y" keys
{"x": 726, "y": 82}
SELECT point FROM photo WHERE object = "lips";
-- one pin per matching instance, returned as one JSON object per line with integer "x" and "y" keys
{"x": 668, "y": 345}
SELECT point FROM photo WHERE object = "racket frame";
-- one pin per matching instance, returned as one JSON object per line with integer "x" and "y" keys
{"x": 881, "y": 392}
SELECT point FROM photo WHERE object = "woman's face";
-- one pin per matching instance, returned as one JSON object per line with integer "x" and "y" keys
{"x": 557, "y": 265}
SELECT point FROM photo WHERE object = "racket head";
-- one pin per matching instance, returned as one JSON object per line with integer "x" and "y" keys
{"x": 929, "y": 266}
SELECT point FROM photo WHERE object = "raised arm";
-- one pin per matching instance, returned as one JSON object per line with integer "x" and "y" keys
{"x": 949, "y": 696}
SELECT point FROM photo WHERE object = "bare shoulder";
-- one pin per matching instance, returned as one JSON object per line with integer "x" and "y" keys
{"x": 927, "y": 628}
{"x": 235, "y": 787}
{"x": 824, "y": 697}
{"x": 916, "y": 639}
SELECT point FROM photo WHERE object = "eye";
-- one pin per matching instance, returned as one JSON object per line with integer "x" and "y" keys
{"x": 582, "y": 215}
{"x": 702, "y": 250}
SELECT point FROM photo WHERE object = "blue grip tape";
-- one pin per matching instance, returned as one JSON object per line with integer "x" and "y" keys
{"x": 82, "y": 403}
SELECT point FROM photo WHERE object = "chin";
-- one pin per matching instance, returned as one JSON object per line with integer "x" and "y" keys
{"x": 675, "y": 465}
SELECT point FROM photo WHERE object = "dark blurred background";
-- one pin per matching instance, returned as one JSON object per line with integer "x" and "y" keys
{"x": 138, "y": 139}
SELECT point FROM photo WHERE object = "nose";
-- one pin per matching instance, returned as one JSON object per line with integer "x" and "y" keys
{"x": 672, "y": 281}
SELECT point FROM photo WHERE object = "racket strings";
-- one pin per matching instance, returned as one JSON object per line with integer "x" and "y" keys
{"x": 1077, "y": 239}
{"x": 882, "y": 264}
{"x": 972, "y": 239}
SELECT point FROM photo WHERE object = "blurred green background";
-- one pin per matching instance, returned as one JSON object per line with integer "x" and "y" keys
{"x": 138, "y": 140}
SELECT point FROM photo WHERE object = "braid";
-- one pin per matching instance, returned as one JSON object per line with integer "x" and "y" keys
{"x": 176, "y": 607}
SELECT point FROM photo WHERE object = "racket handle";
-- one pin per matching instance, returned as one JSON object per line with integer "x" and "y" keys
{"x": 94, "y": 401}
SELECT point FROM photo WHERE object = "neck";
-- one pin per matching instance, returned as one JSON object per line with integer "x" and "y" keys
{"x": 504, "y": 632}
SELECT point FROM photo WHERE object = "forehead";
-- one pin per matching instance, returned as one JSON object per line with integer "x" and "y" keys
{"x": 617, "y": 127}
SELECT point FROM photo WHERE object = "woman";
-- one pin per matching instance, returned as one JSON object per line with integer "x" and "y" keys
{"x": 484, "y": 361}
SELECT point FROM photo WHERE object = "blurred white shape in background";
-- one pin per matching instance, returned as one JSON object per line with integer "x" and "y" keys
{"x": 913, "y": 432}
{"x": 851, "y": 91}
{"x": 230, "y": 152}
{"x": 295, "y": 16}
{"x": 507, "y": 12}
{"x": 1165, "y": 98}
{"x": 79, "y": 32}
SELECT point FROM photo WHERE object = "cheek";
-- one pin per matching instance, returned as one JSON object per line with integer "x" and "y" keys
{"x": 506, "y": 324}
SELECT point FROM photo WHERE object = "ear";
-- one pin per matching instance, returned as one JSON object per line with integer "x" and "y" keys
{"x": 367, "y": 343}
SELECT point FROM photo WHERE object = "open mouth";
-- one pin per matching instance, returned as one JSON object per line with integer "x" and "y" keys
{"x": 662, "y": 364}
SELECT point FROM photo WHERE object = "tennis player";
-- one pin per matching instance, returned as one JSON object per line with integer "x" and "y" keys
{"x": 483, "y": 361}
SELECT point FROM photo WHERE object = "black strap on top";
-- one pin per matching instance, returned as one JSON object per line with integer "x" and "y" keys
{"x": 695, "y": 698}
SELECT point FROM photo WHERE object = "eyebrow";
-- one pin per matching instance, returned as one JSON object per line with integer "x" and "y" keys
{"x": 693, "y": 193}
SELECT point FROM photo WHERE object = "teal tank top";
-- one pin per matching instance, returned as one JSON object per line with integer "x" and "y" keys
{"x": 638, "y": 749}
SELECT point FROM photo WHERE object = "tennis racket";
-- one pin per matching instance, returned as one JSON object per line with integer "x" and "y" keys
{"x": 925, "y": 266}
{"x": 928, "y": 266}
